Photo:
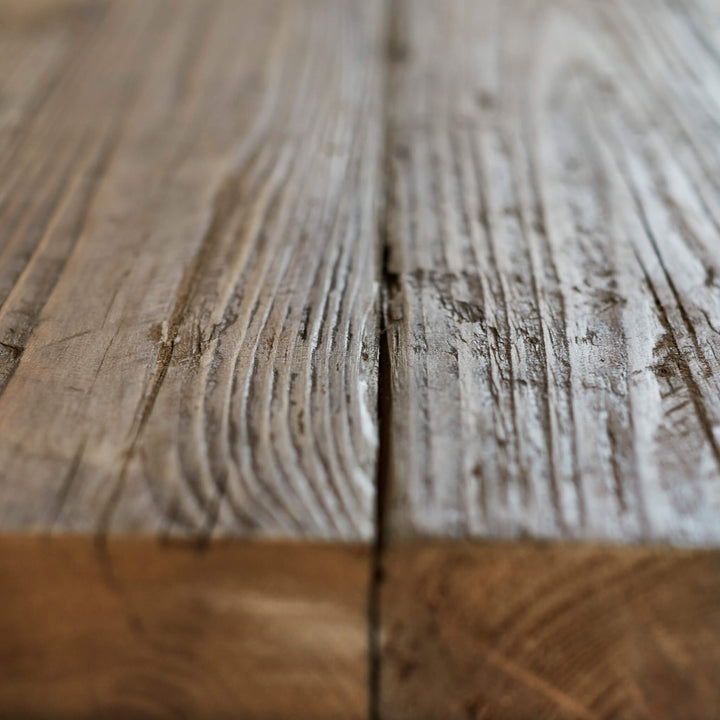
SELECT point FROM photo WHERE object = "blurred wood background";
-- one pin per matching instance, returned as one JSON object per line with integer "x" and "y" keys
{"x": 360, "y": 359}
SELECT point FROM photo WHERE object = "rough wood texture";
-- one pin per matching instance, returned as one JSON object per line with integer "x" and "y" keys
{"x": 553, "y": 307}
{"x": 553, "y": 317}
{"x": 187, "y": 266}
{"x": 137, "y": 630}
{"x": 521, "y": 631}
{"x": 189, "y": 336}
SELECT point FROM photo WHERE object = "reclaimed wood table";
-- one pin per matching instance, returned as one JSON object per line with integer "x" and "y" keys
{"x": 360, "y": 358}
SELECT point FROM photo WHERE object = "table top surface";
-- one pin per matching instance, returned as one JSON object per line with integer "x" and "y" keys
{"x": 260, "y": 259}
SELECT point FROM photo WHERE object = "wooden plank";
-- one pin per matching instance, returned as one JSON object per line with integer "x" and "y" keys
{"x": 554, "y": 253}
{"x": 187, "y": 266}
{"x": 552, "y": 315}
{"x": 188, "y": 347}
{"x": 523, "y": 631}
{"x": 138, "y": 629}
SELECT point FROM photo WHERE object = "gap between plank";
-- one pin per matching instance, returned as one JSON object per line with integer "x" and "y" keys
{"x": 383, "y": 477}
{"x": 381, "y": 492}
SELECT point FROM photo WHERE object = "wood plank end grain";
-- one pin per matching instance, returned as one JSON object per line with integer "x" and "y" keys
{"x": 137, "y": 629}
{"x": 532, "y": 631}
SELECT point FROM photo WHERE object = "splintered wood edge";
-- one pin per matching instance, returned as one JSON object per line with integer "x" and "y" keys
{"x": 528, "y": 631}
{"x": 135, "y": 628}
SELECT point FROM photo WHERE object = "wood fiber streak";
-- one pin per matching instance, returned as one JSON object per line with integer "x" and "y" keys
{"x": 188, "y": 325}
{"x": 553, "y": 306}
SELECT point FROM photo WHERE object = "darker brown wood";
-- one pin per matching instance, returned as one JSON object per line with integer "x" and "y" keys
{"x": 140, "y": 630}
{"x": 521, "y": 631}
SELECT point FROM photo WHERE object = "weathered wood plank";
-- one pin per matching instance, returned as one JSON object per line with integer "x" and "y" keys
{"x": 187, "y": 266}
{"x": 136, "y": 629}
{"x": 552, "y": 317}
{"x": 523, "y": 631}
{"x": 554, "y": 254}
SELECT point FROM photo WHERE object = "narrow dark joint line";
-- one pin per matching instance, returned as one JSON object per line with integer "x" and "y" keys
{"x": 383, "y": 477}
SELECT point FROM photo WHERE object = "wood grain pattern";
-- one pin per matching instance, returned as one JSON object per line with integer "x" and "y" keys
{"x": 203, "y": 208}
{"x": 188, "y": 324}
{"x": 523, "y": 631}
{"x": 554, "y": 253}
{"x": 136, "y": 629}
